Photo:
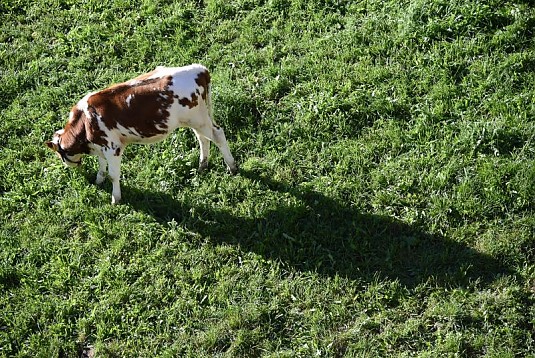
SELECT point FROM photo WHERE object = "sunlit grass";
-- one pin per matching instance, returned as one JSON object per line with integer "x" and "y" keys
{"x": 384, "y": 205}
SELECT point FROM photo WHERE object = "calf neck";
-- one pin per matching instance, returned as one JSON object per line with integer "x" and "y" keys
{"x": 143, "y": 110}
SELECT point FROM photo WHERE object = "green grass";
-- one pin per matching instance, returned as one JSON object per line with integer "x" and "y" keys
{"x": 384, "y": 207}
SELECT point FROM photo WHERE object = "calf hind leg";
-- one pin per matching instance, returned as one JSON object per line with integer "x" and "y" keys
{"x": 204, "y": 145}
{"x": 221, "y": 141}
{"x": 217, "y": 135}
{"x": 101, "y": 175}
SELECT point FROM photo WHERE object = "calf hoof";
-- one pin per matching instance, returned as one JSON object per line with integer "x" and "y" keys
{"x": 115, "y": 200}
{"x": 100, "y": 180}
{"x": 233, "y": 169}
{"x": 203, "y": 166}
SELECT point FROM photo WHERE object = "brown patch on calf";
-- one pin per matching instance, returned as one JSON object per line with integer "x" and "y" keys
{"x": 147, "y": 111}
{"x": 203, "y": 80}
{"x": 190, "y": 103}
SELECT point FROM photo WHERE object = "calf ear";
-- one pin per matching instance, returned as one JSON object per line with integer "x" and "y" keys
{"x": 52, "y": 146}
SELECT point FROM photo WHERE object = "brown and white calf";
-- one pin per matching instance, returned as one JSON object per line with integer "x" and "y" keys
{"x": 143, "y": 110}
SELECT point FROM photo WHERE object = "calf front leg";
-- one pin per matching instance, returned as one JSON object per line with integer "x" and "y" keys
{"x": 114, "y": 171}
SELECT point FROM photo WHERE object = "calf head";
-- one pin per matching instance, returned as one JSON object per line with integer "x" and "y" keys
{"x": 69, "y": 157}
{"x": 71, "y": 143}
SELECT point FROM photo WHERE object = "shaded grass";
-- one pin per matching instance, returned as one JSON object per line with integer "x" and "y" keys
{"x": 385, "y": 202}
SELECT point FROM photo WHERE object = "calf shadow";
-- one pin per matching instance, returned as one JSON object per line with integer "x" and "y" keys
{"x": 319, "y": 234}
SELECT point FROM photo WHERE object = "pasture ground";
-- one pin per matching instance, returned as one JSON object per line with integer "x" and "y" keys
{"x": 385, "y": 204}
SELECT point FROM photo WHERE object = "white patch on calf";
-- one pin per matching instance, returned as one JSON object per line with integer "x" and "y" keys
{"x": 129, "y": 99}
{"x": 57, "y": 135}
{"x": 82, "y": 104}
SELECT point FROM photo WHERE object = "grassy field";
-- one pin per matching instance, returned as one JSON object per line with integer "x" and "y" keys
{"x": 384, "y": 206}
